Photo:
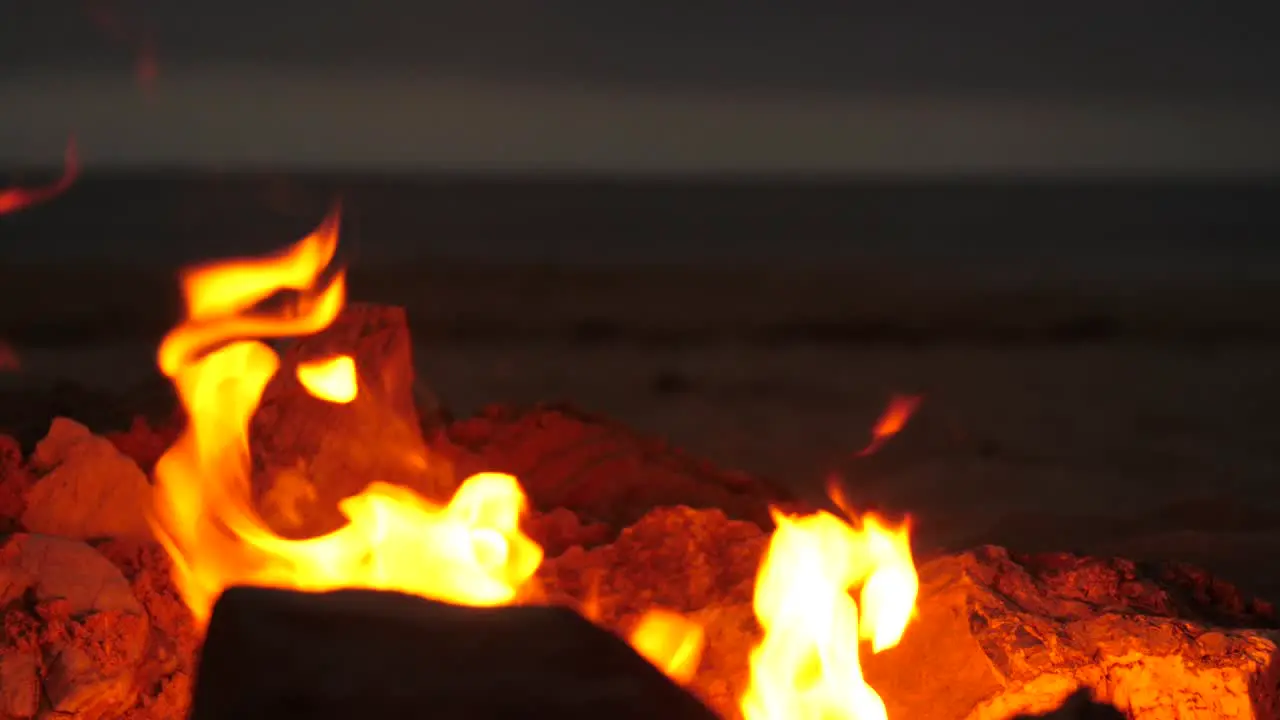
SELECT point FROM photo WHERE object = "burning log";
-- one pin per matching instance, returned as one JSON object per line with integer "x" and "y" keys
{"x": 997, "y": 634}
{"x": 310, "y": 453}
{"x": 355, "y": 653}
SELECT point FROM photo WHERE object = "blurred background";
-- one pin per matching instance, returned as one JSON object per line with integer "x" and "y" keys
{"x": 742, "y": 226}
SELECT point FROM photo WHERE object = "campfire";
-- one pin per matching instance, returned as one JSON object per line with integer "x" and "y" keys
{"x": 325, "y": 557}
{"x": 471, "y": 550}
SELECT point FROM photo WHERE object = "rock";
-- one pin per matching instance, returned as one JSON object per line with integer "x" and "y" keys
{"x": 144, "y": 442}
{"x": 85, "y": 488}
{"x": 308, "y": 453}
{"x": 74, "y": 633}
{"x": 597, "y": 468}
{"x": 998, "y": 634}
{"x": 698, "y": 563}
{"x": 15, "y": 482}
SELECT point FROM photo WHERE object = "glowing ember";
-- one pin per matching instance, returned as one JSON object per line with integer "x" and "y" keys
{"x": 670, "y": 641}
{"x": 468, "y": 552}
{"x": 332, "y": 379}
{"x": 18, "y": 198}
{"x": 807, "y": 666}
{"x": 891, "y": 422}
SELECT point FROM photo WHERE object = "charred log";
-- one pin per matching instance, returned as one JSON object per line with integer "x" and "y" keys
{"x": 355, "y": 653}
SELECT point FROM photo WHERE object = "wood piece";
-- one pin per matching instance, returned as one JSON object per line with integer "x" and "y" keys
{"x": 998, "y": 634}
{"x": 308, "y": 453}
{"x": 359, "y": 653}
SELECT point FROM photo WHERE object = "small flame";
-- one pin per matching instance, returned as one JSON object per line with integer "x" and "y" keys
{"x": 891, "y": 422}
{"x": 807, "y": 665}
{"x": 14, "y": 199}
{"x": 470, "y": 551}
{"x": 332, "y": 379}
{"x": 670, "y": 641}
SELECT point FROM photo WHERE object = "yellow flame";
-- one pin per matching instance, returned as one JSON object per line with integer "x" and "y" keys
{"x": 332, "y": 379}
{"x": 470, "y": 551}
{"x": 670, "y": 641}
{"x": 807, "y": 666}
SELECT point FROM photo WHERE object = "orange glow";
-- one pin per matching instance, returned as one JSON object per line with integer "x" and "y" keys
{"x": 470, "y": 551}
{"x": 332, "y": 379}
{"x": 807, "y": 665}
{"x": 14, "y": 199}
{"x": 891, "y": 422}
{"x": 9, "y": 361}
{"x": 670, "y": 641}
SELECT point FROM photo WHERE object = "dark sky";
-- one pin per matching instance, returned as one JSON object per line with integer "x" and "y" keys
{"x": 923, "y": 85}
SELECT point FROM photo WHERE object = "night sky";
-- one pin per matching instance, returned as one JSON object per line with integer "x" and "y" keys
{"x": 807, "y": 85}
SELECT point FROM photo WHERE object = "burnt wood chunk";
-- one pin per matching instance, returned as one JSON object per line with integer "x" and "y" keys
{"x": 360, "y": 653}
{"x": 309, "y": 453}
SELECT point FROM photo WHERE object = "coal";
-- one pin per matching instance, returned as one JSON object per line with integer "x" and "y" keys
{"x": 361, "y": 653}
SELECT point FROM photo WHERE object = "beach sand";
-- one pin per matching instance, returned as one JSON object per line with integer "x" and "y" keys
{"x": 1141, "y": 424}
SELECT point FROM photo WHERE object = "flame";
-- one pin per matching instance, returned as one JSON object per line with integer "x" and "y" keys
{"x": 891, "y": 422}
{"x": 14, "y": 199}
{"x": 807, "y": 666}
{"x": 670, "y": 641}
{"x": 332, "y": 379}
{"x": 470, "y": 551}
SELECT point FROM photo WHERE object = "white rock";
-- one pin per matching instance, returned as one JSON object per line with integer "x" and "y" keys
{"x": 86, "y": 488}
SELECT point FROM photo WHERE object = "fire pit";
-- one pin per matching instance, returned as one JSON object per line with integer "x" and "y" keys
{"x": 336, "y": 561}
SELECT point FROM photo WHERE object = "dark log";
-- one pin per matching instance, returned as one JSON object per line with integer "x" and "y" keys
{"x": 308, "y": 453}
{"x": 357, "y": 653}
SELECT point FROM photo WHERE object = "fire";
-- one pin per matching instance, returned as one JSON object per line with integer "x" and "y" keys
{"x": 891, "y": 422}
{"x": 332, "y": 379}
{"x": 470, "y": 551}
{"x": 14, "y": 199}
{"x": 807, "y": 665}
{"x": 670, "y": 641}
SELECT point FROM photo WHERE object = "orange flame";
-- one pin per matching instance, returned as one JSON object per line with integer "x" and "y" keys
{"x": 807, "y": 666}
{"x": 470, "y": 551}
{"x": 670, "y": 641}
{"x": 14, "y": 199}
{"x": 332, "y": 379}
{"x": 891, "y": 422}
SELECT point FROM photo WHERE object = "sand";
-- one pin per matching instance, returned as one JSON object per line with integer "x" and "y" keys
{"x": 1150, "y": 439}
